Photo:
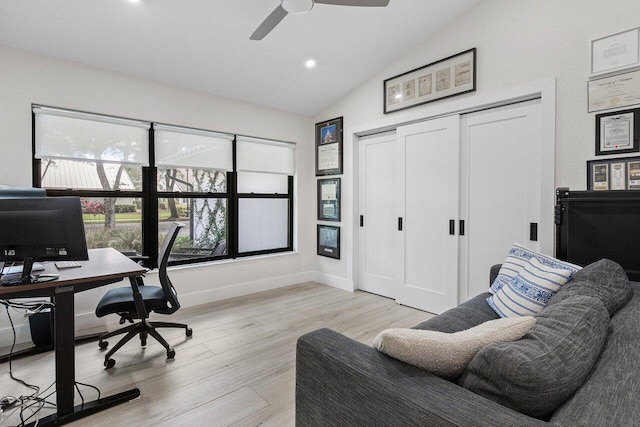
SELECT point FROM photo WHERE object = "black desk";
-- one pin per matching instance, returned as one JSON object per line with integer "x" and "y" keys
{"x": 105, "y": 266}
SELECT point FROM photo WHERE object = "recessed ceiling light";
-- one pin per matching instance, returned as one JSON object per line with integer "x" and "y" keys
{"x": 134, "y": 1}
{"x": 297, "y": 7}
{"x": 310, "y": 63}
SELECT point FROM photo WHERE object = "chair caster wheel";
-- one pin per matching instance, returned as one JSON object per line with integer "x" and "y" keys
{"x": 171, "y": 354}
{"x": 109, "y": 363}
{"x": 103, "y": 344}
{"x": 189, "y": 332}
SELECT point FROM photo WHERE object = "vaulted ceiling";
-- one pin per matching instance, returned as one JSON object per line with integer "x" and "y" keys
{"x": 204, "y": 44}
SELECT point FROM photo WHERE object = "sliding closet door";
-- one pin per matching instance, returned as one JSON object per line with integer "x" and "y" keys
{"x": 427, "y": 161}
{"x": 377, "y": 215}
{"x": 500, "y": 189}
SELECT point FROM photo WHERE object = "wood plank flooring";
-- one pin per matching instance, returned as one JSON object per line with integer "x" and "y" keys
{"x": 238, "y": 368}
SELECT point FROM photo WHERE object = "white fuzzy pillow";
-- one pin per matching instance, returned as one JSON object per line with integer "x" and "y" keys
{"x": 447, "y": 355}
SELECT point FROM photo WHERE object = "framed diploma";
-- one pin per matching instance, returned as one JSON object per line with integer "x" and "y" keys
{"x": 329, "y": 199}
{"x": 622, "y": 173}
{"x": 616, "y": 91}
{"x": 615, "y": 52}
{"x": 447, "y": 77}
{"x": 329, "y": 147}
{"x": 329, "y": 241}
{"x": 618, "y": 132}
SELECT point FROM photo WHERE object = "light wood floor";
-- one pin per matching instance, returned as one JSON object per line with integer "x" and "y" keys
{"x": 238, "y": 368}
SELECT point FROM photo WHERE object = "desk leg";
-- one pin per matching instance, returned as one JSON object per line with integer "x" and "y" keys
{"x": 66, "y": 365}
{"x": 64, "y": 325}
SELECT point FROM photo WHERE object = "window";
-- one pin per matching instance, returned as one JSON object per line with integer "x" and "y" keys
{"x": 234, "y": 193}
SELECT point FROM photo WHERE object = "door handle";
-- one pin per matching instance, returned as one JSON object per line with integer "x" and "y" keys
{"x": 452, "y": 227}
{"x": 399, "y": 223}
{"x": 533, "y": 231}
{"x": 361, "y": 220}
{"x": 462, "y": 227}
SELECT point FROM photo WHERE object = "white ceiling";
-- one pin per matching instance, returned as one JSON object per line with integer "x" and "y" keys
{"x": 204, "y": 44}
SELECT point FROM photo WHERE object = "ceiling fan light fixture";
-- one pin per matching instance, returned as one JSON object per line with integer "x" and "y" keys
{"x": 297, "y": 7}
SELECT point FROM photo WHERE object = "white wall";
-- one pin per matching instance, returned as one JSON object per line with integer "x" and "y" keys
{"x": 27, "y": 78}
{"x": 518, "y": 41}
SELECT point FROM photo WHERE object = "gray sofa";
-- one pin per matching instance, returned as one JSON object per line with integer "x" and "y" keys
{"x": 342, "y": 382}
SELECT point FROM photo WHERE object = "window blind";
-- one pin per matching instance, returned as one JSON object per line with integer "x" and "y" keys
{"x": 177, "y": 147}
{"x": 260, "y": 155}
{"x": 64, "y": 134}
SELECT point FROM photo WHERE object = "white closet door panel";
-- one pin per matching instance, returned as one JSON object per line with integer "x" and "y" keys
{"x": 427, "y": 256}
{"x": 377, "y": 192}
{"x": 501, "y": 188}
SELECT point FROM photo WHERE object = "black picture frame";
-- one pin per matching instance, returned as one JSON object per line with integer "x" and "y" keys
{"x": 618, "y": 126}
{"x": 329, "y": 147}
{"x": 328, "y": 241}
{"x": 451, "y": 76}
{"x": 329, "y": 199}
{"x": 621, "y": 173}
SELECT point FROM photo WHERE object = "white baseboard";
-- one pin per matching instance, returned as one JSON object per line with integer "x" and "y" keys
{"x": 334, "y": 281}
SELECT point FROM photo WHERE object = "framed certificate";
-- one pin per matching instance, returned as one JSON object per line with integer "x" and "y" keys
{"x": 622, "y": 173}
{"x": 618, "y": 132}
{"x": 329, "y": 147}
{"x": 329, "y": 241}
{"x": 615, "y": 52}
{"x": 616, "y": 91}
{"x": 329, "y": 199}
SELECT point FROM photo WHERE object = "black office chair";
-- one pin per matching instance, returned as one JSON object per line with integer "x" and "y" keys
{"x": 138, "y": 300}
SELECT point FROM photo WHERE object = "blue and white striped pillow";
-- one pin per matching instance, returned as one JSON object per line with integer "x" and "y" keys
{"x": 530, "y": 291}
{"x": 517, "y": 258}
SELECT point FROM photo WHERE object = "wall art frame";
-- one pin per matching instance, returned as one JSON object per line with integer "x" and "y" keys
{"x": 622, "y": 173}
{"x": 615, "y": 52}
{"x": 618, "y": 132}
{"x": 329, "y": 204}
{"x": 329, "y": 241}
{"x": 329, "y": 147}
{"x": 451, "y": 76}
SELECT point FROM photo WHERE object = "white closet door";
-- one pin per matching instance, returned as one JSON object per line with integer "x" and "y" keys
{"x": 500, "y": 188}
{"x": 377, "y": 222}
{"x": 427, "y": 161}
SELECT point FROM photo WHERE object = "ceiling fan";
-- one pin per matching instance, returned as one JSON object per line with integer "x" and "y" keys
{"x": 298, "y": 7}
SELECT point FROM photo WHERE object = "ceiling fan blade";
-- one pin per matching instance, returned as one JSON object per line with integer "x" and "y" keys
{"x": 269, "y": 24}
{"x": 364, "y": 3}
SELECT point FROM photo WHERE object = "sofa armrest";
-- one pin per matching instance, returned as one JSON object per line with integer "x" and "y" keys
{"x": 342, "y": 382}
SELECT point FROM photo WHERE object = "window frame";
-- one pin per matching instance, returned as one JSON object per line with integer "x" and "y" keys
{"x": 150, "y": 197}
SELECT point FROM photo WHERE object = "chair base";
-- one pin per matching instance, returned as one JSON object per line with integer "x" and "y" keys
{"x": 144, "y": 328}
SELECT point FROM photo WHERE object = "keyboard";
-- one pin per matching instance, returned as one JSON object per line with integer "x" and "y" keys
{"x": 67, "y": 264}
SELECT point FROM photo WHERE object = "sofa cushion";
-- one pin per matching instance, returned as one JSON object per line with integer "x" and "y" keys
{"x": 467, "y": 315}
{"x": 516, "y": 260}
{"x": 446, "y": 355}
{"x": 536, "y": 374}
{"x": 604, "y": 279}
{"x": 530, "y": 291}
{"x": 609, "y": 395}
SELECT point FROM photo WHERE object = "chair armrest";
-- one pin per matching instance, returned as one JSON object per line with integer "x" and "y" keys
{"x": 340, "y": 381}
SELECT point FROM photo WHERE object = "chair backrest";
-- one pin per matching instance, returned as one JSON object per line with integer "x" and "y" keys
{"x": 163, "y": 259}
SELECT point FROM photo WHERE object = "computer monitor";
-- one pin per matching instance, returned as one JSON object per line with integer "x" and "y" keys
{"x": 11, "y": 192}
{"x": 41, "y": 229}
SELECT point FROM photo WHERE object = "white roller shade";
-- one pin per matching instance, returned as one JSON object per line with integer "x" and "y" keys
{"x": 177, "y": 147}
{"x": 63, "y": 134}
{"x": 259, "y": 155}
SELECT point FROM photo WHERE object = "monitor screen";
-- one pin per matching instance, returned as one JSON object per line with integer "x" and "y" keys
{"x": 42, "y": 229}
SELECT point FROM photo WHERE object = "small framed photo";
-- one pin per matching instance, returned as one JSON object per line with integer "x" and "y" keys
{"x": 329, "y": 241}
{"x": 622, "y": 173}
{"x": 447, "y": 77}
{"x": 329, "y": 147}
{"x": 329, "y": 199}
{"x": 618, "y": 132}
{"x": 615, "y": 52}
